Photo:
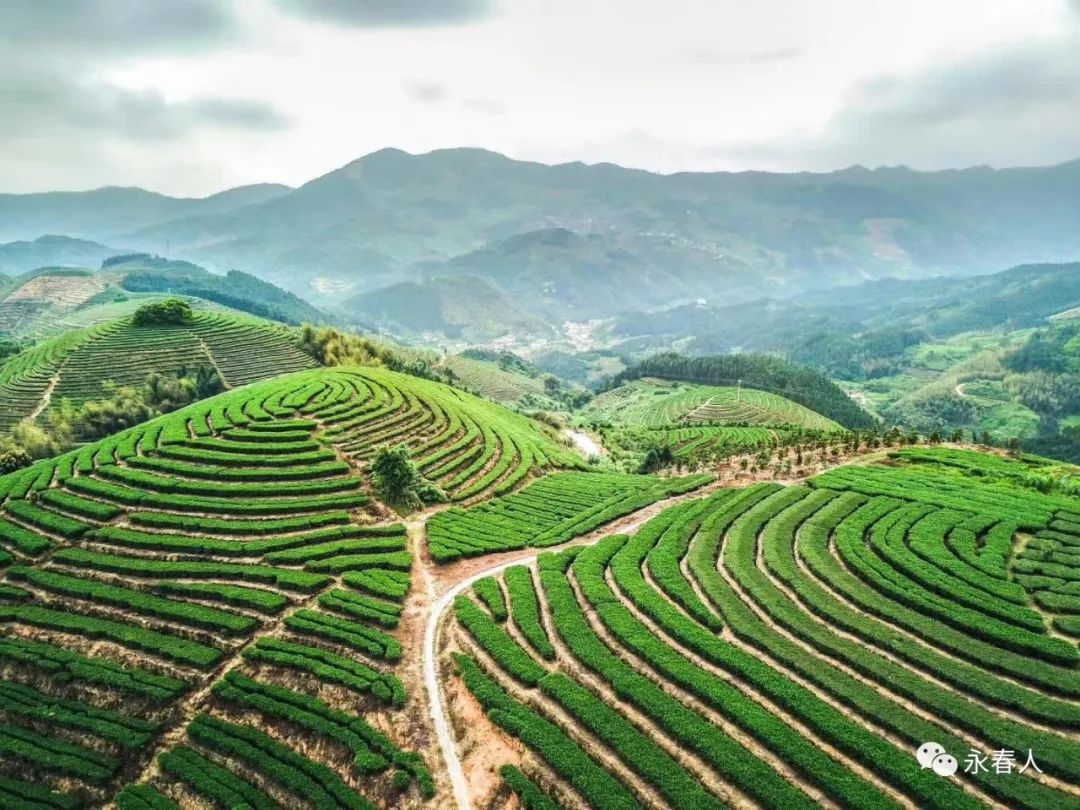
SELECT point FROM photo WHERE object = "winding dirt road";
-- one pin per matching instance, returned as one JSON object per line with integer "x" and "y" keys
{"x": 439, "y": 604}
{"x": 431, "y": 680}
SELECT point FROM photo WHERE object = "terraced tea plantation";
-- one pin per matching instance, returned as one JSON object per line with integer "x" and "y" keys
{"x": 488, "y": 380}
{"x": 788, "y": 647}
{"x": 213, "y": 609}
{"x": 77, "y": 365}
{"x": 555, "y": 509}
{"x": 659, "y": 403}
{"x": 203, "y": 608}
{"x": 691, "y": 443}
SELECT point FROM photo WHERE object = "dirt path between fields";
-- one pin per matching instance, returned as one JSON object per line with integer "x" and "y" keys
{"x": 585, "y": 443}
{"x": 46, "y": 396}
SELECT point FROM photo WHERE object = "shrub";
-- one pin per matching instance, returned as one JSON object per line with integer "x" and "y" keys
{"x": 12, "y": 460}
{"x": 171, "y": 311}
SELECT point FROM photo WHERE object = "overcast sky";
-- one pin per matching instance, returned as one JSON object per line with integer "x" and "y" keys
{"x": 194, "y": 96}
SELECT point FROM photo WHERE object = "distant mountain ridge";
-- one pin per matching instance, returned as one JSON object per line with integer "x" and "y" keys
{"x": 465, "y": 306}
{"x": 105, "y": 213}
{"x": 1016, "y": 298}
{"x": 392, "y": 217}
{"x": 50, "y": 250}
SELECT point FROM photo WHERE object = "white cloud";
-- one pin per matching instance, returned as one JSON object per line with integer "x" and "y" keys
{"x": 210, "y": 93}
{"x": 393, "y": 13}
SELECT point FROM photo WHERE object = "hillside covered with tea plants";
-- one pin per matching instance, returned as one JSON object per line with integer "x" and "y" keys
{"x": 792, "y": 646}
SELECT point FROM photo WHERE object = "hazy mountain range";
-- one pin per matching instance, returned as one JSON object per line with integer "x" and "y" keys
{"x": 575, "y": 241}
{"x": 1018, "y": 298}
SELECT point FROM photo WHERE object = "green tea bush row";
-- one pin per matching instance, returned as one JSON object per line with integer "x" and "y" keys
{"x": 169, "y": 484}
{"x": 525, "y": 610}
{"x": 297, "y": 774}
{"x": 401, "y": 560}
{"x": 330, "y": 667}
{"x": 21, "y": 538}
{"x": 600, "y": 789}
{"x": 351, "y": 634}
{"x": 55, "y": 755}
{"x": 20, "y": 795}
{"x": 113, "y": 535}
{"x": 211, "y": 781}
{"x": 276, "y": 433}
{"x": 177, "y": 649}
{"x": 267, "y": 602}
{"x": 320, "y": 551}
{"x": 66, "y": 666}
{"x": 95, "y": 510}
{"x": 165, "y": 520}
{"x": 196, "y": 503}
{"x": 359, "y": 606}
{"x": 529, "y": 795}
{"x": 45, "y": 520}
{"x": 137, "y": 601}
{"x": 380, "y": 582}
{"x": 196, "y": 569}
{"x": 267, "y": 445}
{"x": 129, "y": 732}
{"x": 492, "y": 596}
{"x": 293, "y": 472}
{"x": 194, "y": 455}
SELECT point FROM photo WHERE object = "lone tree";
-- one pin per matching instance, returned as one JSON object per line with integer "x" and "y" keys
{"x": 397, "y": 481}
{"x": 657, "y": 458}
{"x": 171, "y": 311}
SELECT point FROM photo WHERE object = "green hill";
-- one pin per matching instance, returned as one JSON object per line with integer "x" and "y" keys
{"x": 660, "y": 403}
{"x": 804, "y": 386}
{"x": 143, "y": 273}
{"x": 697, "y": 424}
{"x": 233, "y": 524}
{"x": 78, "y": 364}
{"x": 796, "y": 641}
{"x": 490, "y": 379}
{"x": 51, "y": 299}
{"x": 866, "y": 324}
{"x": 34, "y": 301}
{"x": 466, "y": 307}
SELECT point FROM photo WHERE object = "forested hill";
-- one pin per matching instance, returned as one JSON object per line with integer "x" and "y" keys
{"x": 766, "y": 372}
{"x": 145, "y": 273}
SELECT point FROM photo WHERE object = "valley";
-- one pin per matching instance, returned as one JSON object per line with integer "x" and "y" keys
{"x": 227, "y": 604}
{"x": 605, "y": 518}
{"x": 483, "y": 405}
